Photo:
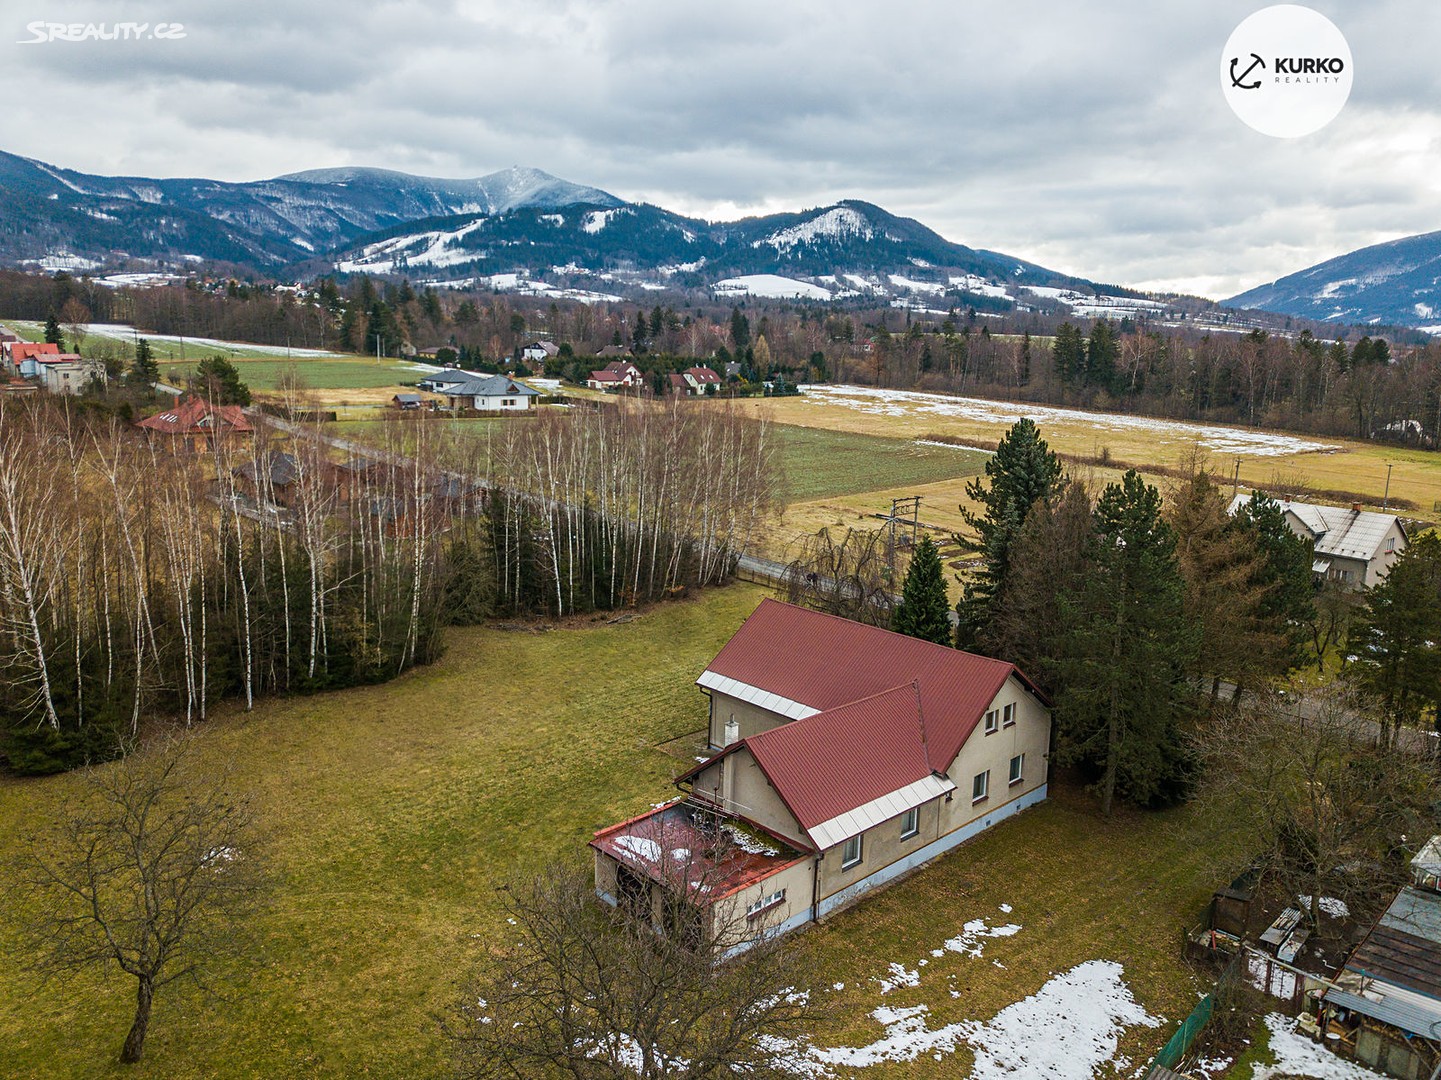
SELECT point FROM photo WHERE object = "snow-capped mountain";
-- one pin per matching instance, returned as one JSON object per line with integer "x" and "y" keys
{"x": 1396, "y": 283}
{"x": 59, "y": 217}
{"x": 519, "y": 229}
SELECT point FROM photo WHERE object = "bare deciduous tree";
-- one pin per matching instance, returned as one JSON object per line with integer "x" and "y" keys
{"x": 1309, "y": 787}
{"x": 153, "y": 871}
{"x": 592, "y": 992}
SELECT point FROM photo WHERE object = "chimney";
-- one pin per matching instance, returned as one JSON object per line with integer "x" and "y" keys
{"x": 1355, "y": 508}
{"x": 732, "y": 732}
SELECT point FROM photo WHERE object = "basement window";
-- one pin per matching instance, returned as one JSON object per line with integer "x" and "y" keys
{"x": 765, "y": 903}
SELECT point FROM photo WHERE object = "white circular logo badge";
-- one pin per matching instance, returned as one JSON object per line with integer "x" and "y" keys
{"x": 1286, "y": 71}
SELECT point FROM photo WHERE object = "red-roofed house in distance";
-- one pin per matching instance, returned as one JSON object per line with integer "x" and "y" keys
{"x": 844, "y": 754}
{"x": 614, "y": 376}
{"x": 700, "y": 379}
{"x": 22, "y": 355}
{"x": 193, "y": 425}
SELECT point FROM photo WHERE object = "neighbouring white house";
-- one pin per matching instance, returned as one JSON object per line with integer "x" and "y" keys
{"x": 1354, "y": 547}
{"x": 539, "y": 351}
{"x": 69, "y": 373}
{"x": 699, "y": 379}
{"x": 492, "y": 393}
{"x": 436, "y": 382}
{"x": 843, "y": 756}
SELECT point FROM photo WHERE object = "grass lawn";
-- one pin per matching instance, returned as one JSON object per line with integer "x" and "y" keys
{"x": 393, "y": 812}
{"x": 318, "y": 373}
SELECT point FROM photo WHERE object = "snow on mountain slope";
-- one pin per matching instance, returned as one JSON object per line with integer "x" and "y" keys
{"x": 436, "y": 248}
{"x": 1396, "y": 282}
{"x": 772, "y": 285}
{"x": 839, "y": 221}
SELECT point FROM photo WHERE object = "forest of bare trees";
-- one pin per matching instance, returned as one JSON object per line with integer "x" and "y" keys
{"x": 134, "y": 581}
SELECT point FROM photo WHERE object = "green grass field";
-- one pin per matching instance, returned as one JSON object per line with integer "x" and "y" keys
{"x": 822, "y": 464}
{"x": 394, "y": 812}
{"x": 316, "y": 373}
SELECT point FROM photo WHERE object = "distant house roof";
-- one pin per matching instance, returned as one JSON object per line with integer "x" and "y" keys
{"x": 490, "y": 386}
{"x": 283, "y": 468}
{"x": 1347, "y": 533}
{"x": 878, "y": 716}
{"x": 61, "y": 358}
{"x": 450, "y": 376}
{"x": 677, "y": 382}
{"x": 614, "y": 350}
{"x": 195, "y": 415}
{"x": 24, "y": 350}
{"x": 550, "y": 348}
{"x": 703, "y": 375}
{"x": 407, "y": 399}
{"x": 606, "y": 376}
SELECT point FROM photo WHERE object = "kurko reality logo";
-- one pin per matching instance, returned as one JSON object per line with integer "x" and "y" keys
{"x": 1286, "y": 71}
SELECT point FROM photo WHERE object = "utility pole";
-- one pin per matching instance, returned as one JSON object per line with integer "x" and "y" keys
{"x": 1236, "y": 481}
{"x": 1386, "y": 498}
{"x": 377, "y": 338}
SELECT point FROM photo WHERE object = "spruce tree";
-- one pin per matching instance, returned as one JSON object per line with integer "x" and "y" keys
{"x": 1288, "y": 603}
{"x": 924, "y": 610}
{"x": 144, "y": 371}
{"x": 1397, "y": 642}
{"x": 1103, "y": 353}
{"x": 52, "y": 329}
{"x": 219, "y": 380}
{"x": 1022, "y": 470}
{"x": 1068, "y": 354}
{"x": 1129, "y": 649}
{"x": 1226, "y": 588}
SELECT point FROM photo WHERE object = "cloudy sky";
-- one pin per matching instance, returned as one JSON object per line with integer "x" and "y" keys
{"x": 1089, "y": 138}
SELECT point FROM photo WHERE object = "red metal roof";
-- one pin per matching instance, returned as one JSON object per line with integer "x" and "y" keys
{"x": 196, "y": 415}
{"x": 703, "y": 374}
{"x": 837, "y": 760}
{"x": 824, "y": 661}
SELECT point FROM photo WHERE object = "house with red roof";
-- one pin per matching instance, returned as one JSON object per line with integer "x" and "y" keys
{"x": 700, "y": 379}
{"x": 193, "y": 425}
{"x": 614, "y": 376}
{"x": 23, "y": 355}
{"x": 842, "y": 756}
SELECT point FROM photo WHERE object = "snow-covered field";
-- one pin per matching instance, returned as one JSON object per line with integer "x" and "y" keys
{"x": 771, "y": 285}
{"x": 127, "y": 333}
{"x": 1220, "y": 439}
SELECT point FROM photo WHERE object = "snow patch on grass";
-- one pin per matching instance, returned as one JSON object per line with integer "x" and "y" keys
{"x": 881, "y": 402}
{"x": 1296, "y": 1055}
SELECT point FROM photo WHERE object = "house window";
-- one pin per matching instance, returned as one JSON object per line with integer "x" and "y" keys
{"x": 981, "y": 786}
{"x": 764, "y": 903}
{"x": 1008, "y": 714}
{"x": 506, "y": 403}
{"x": 993, "y": 721}
{"x": 910, "y": 822}
{"x": 1018, "y": 765}
{"x": 1390, "y": 544}
{"x": 851, "y": 853}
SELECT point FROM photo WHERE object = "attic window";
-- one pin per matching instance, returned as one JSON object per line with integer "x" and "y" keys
{"x": 993, "y": 721}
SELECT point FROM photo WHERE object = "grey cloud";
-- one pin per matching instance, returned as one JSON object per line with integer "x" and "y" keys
{"x": 1090, "y": 138}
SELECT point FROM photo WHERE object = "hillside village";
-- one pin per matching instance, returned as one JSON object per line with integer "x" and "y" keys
{"x": 842, "y": 749}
